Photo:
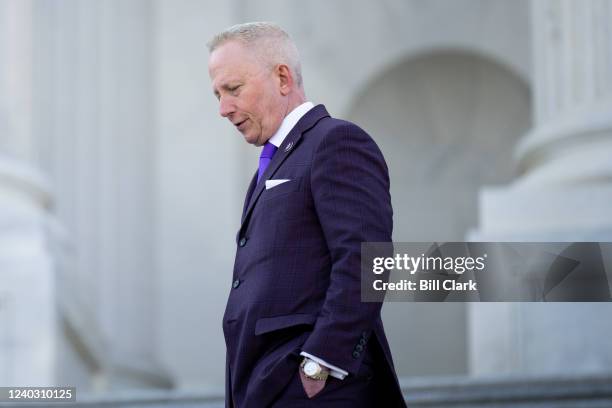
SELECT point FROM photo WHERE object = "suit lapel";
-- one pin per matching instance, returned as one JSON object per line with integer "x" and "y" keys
{"x": 249, "y": 195}
{"x": 284, "y": 150}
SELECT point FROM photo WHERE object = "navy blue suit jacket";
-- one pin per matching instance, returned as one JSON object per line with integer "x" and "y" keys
{"x": 296, "y": 279}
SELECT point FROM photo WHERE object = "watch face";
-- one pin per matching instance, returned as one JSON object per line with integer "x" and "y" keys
{"x": 311, "y": 368}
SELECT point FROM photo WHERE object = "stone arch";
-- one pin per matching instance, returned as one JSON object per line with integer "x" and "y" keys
{"x": 447, "y": 122}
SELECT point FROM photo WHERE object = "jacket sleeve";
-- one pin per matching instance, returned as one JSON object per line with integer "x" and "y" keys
{"x": 350, "y": 187}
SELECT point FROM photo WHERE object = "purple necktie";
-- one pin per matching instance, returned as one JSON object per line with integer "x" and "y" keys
{"x": 265, "y": 158}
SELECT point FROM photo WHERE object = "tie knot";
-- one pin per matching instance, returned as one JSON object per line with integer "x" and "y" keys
{"x": 268, "y": 150}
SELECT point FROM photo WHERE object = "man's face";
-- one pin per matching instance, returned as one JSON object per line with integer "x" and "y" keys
{"x": 249, "y": 93}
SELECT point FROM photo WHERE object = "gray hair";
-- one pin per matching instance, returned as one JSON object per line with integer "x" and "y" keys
{"x": 272, "y": 43}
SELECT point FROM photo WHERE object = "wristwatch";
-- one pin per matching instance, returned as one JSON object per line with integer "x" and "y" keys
{"x": 314, "y": 370}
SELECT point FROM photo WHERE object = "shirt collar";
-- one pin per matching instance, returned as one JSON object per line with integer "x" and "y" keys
{"x": 289, "y": 122}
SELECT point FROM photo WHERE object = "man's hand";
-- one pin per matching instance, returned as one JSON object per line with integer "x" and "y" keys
{"x": 311, "y": 387}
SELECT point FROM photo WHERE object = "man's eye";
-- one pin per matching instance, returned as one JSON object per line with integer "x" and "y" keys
{"x": 234, "y": 88}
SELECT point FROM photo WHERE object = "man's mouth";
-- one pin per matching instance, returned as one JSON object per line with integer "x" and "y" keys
{"x": 240, "y": 123}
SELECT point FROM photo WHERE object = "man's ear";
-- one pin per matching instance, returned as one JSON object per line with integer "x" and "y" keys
{"x": 285, "y": 79}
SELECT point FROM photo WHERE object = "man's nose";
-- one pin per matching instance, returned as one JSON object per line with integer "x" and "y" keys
{"x": 225, "y": 107}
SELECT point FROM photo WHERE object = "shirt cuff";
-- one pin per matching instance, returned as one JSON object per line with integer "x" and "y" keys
{"x": 333, "y": 370}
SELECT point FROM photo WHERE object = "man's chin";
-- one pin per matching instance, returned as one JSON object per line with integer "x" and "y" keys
{"x": 254, "y": 140}
{"x": 251, "y": 139}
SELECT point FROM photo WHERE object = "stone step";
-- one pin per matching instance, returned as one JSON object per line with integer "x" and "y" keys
{"x": 444, "y": 392}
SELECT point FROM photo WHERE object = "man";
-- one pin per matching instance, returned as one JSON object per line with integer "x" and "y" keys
{"x": 296, "y": 331}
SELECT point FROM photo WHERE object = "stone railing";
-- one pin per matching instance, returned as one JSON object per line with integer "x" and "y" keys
{"x": 541, "y": 392}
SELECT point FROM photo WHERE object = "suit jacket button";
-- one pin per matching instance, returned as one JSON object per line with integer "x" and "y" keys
{"x": 359, "y": 348}
{"x": 356, "y": 354}
{"x": 236, "y": 283}
{"x": 362, "y": 341}
{"x": 242, "y": 242}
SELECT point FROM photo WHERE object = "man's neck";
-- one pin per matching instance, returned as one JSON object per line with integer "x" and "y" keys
{"x": 295, "y": 100}
{"x": 289, "y": 121}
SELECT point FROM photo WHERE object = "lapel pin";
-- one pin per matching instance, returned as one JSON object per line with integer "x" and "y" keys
{"x": 288, "y": 147}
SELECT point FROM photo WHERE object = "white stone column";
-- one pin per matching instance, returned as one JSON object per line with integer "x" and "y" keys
{"x": 27, "y": 268}
{"x": 564, "y": 193}
{"x": 565, "y": 187}
{"x": 94, "y": 116}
